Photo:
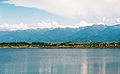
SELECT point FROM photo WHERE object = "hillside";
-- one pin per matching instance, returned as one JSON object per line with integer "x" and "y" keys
{"x": 95, "y": 33}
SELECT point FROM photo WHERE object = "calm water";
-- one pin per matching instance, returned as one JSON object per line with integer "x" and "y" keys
{"x": 59, "y": 61}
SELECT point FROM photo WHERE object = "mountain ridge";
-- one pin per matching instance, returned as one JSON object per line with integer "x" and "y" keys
{"x": 95, "y": 33}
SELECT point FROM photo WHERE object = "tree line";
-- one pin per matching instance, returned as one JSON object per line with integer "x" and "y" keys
{"x": 88, "y": 44}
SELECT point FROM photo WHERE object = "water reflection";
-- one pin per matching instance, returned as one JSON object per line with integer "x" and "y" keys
{"x": 56, "y": 61}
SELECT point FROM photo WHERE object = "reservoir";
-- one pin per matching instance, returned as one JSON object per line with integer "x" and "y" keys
{"x": 59, "y": 61}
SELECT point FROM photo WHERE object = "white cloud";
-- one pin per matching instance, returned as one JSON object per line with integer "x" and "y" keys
{"x": 8, "y": 27}
{"x": 118, "y": 20}
{"x": 104, "y": 11}
{"x": 42, "y": 25}
{"x": 74, "y": 8}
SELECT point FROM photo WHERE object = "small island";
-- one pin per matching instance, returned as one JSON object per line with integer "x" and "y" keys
{"x": 60, "y": 45}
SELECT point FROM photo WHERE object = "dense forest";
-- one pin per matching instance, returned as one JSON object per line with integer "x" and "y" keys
{"x": 60, "y": 45}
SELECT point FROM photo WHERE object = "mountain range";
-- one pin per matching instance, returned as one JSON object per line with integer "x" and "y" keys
{"x": 94, "y": 33}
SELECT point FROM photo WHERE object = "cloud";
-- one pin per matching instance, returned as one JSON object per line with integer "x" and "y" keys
{"x": 14, "y": 27}
{"x": 42, "y": 25}
{"x": 118, "y": 20}
{"x": 74, "y": 8}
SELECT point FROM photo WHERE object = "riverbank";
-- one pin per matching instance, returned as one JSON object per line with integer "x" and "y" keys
{"x": 60, "y": 48}
{"x": 63, "y": 45}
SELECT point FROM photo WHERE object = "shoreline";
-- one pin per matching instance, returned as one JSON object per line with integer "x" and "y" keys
{"x": 59, "y": 47}
{"x": 63, "y": 45}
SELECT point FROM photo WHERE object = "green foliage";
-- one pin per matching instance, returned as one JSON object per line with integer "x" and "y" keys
{"x": 64, "y": 44}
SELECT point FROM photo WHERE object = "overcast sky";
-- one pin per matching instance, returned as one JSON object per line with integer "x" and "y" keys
{"x": 65, "y": 12}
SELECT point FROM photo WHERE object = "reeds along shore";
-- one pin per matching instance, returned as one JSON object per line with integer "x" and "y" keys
{"x": 62, "y": 45}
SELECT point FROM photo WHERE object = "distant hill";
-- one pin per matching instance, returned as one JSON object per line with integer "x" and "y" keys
{"x": 95, "y": 33}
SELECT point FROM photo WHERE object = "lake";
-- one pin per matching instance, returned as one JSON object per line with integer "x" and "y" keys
{"x": 59, "y": 61}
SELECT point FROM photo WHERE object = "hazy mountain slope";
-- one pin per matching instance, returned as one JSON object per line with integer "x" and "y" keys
{"x": 95, "y": 33}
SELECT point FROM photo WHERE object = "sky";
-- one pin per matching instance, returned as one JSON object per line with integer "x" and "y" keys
{"x": 16, "y": 13}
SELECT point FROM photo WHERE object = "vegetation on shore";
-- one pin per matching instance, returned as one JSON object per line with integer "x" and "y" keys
{"x": 42, "y": 45}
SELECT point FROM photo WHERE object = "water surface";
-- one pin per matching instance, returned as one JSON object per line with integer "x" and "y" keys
{"x": 59, "y": 61}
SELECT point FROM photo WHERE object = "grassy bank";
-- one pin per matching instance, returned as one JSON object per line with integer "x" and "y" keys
{"x": 64, "y": 45}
